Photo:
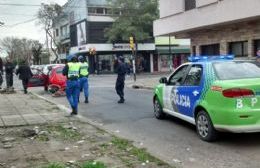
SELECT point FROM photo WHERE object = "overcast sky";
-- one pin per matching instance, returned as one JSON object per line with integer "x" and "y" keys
{"x": 12, "y": 15}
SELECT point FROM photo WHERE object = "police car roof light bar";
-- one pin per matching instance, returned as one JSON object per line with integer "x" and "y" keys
{"x": 200, "y": 58}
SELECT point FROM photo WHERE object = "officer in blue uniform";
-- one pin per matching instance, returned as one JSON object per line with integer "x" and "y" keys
{"x": 71, "y": 70}
{"x": 83, "y": 73}
{"x": 120, "y": 82}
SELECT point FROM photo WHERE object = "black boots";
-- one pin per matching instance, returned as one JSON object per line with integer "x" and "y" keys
{"x": 74, "y": 112}
{"x": 122, "y": 100}
{"x": 86, "y": 100}
{"x": 25, "y": 91}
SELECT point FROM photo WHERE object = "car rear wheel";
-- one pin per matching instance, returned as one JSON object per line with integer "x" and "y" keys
{"x": 158, "y": 112}
{"x": 205, "y": 128}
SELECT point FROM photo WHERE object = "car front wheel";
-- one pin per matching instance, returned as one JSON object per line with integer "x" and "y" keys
{"x": 205, "y": 128}
{"x": 158, "y": 112}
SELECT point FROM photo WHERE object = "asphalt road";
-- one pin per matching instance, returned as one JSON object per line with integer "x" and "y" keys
{"x": 172, "y": 140}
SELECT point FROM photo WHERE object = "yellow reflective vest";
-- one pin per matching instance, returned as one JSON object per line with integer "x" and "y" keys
{"x": 84, "y": 69}
{"x": 73, "y": 71}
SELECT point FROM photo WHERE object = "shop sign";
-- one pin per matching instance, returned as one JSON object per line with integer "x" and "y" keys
{"x": 117, "y": 47}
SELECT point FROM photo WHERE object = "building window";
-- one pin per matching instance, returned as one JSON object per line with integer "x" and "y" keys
{"x": 239, "y": 49}
{"x": 193, "y": 50}
{"x": 64, "y": 31}
{"x": 190, "y": 4}
{"x": 100, "y": 11}
{"x": 57, "y": 32}
{"x": 213, "y": 49}
{"x": 256, "y": 46}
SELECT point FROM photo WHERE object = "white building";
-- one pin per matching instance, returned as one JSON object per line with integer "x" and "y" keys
{"x": 214, "y": 26}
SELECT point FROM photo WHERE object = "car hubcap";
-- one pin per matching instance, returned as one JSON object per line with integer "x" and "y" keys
{"x": 156, "y": 108}
{"x": 203, "y": 126}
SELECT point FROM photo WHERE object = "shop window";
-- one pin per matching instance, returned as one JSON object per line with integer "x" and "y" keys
{"x": 239, "y": 49}
{"x": 213, "y": 49}
{"x": 256, "y": 46}
{"x": 190, "y": 4}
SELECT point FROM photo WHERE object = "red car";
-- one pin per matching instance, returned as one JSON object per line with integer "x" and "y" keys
{"x": 50, "y": 77}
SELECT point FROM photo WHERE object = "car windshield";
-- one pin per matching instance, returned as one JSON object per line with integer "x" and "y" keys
{"x": 59, "y": 70}
{"x": 237, "y": 70}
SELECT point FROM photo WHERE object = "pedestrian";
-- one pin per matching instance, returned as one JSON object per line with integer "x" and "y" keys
{"x": 1, "y": 73}
{"x": 25, "y": 74}
{"x": 71, "y": 71}
{"x": 9, "y": 70}
{"x": 83, "y": 73}
{"x": 120, "y": 82}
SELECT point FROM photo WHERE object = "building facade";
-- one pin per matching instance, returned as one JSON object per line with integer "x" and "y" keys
{"x": 82, "y": 28}
{"x": 214, "y": 26}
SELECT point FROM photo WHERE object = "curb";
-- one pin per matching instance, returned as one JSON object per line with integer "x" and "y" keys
{"x": 142, "y": 87}
{"x": 67, "y": 111}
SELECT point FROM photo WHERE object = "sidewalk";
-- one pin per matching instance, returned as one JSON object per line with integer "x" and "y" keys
{"x": 35, "y": 133}
{"x": 21, "y": 110}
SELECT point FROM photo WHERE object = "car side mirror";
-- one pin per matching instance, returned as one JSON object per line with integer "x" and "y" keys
{"x": 163, "y": 80}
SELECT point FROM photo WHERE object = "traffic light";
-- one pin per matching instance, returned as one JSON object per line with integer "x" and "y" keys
{"x": 92, "y": 51}
{"x": 132, "y": 43}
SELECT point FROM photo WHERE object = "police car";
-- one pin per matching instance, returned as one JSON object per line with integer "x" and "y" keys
{"x": 214, "y": 93}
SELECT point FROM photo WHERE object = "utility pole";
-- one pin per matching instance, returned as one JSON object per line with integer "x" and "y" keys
{"x": 133, "y": 46}
{"x": 170, "y": 53}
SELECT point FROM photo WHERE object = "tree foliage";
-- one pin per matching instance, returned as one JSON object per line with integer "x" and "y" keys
{"x": 135, "y": 18}
{"x": 46, "y": 16}
{"x": 19, "y": 49}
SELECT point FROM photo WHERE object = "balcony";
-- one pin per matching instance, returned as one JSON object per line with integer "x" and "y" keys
{"x": 208, "y": 13}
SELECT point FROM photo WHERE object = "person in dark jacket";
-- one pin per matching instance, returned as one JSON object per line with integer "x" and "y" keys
{"x": 25, "y": 73}
{"x": 120, "y": 82}
{"x": 1, "y": 73}
{"x": 9, "y": 70}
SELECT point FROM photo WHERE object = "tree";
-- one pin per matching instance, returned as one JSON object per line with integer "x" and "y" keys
{"x": 134, "y": 17}
{"x": 46, "y": 16}
{"x": 36, "y": 52}
{"x": 19, "y": 49}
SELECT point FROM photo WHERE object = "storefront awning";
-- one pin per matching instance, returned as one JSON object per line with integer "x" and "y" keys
{"x": 174, "y": 49}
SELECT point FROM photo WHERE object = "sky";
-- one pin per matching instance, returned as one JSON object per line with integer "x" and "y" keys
{"x": 14, "y": 16}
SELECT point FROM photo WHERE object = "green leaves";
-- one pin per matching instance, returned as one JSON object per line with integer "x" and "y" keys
{"x": 136, "y": 17}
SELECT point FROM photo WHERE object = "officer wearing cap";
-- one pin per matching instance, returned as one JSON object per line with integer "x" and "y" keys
{"x": 83, "y": 74}
{"x": 120, "y": 82}
{"x": 71, "y": 71}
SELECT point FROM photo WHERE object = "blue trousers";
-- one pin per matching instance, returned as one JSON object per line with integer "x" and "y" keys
{"x": 72, "y": 93}
{"x": 84, "y": 85}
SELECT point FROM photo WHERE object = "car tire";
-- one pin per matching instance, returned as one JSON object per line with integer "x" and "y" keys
{"x": 158, "y": 112}
{"x": 205, "y": 128}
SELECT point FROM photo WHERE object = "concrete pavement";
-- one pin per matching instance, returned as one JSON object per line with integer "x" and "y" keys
{"x": 21, "y": 110}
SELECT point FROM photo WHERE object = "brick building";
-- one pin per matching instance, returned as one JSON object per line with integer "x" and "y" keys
{"x": 214, "y": 26}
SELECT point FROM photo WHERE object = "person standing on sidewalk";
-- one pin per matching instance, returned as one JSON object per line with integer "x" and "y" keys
{"x": 71, "y": 70}
{"x": 25, "y": 73}
{"x": 83, "y": 73}
{"x": 1, "y": 73}
{"x": 9, "y": 70}
{"x": 120, "y": 82}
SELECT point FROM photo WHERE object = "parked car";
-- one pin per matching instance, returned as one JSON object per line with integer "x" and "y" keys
{"x": 215, "y": 94}
{"x": 50, "y": 74}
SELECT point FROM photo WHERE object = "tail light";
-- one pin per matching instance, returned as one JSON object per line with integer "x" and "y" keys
{"x": 237, "y": 92}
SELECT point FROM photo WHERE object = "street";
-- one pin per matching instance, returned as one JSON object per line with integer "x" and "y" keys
{"x": 172, "y": 140}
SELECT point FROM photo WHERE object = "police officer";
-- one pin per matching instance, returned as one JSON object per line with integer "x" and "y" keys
{"x": 83, "y": 73}
{"x": 71, "y": 70}
{"x": 120, "y": 82}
